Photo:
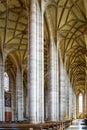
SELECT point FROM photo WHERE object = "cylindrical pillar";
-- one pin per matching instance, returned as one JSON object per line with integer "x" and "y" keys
{"x": 36, "y": 65}
{"x": 62, "y": 91}
{"x": 57, "y": 85}
{"x": 53, "y": 87}
{"x": 70, "y": 101}
{"x": 46, "y": 104}
{"x": 13, "y": 97}
{"x": 41, "y": 69}
{"x": 84, "y": 103}
{"x": 67, "y": 97}
{"x": 77, "y": 106}
{"x": 2, "y": 105}
{"x": 73, "y": 104}
{"x": 19, "y": 95}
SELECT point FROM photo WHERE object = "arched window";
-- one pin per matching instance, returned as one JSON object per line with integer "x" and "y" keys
{"x": 80, "y": 103}
{"x": 6, "y": 81}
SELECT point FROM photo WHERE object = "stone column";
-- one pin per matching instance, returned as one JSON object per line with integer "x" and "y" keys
{"x": 57, "y": 85}
{"x": 77, "y": 106}
{"x": 46, "y": 103}
{"x": 53, "y": 87}
{"x": 53, "y": 74}
{"x": 70, "y": 101}
{"x": 25, "y": 99}
{"x": 25, "y": 91}
{"x": 73, "y": 104}
{"x": 13, "y": 97}
{"x": 85, "y": 95}
{"x": 19, "y": 94}
{"x": 27, "y": 107}
{"x": 36, "y": 64}
{"x": 67, "y": 98}
{"x": 2, "y": 105}
{"x": 41, "y": 63}
{"x": 84, "y": 103}
{"x": 62, "y": 91}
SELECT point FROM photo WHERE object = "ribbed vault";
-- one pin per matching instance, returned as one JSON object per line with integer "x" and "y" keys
{"x": 68, "y": 20}
{"x": 73, "y": 45}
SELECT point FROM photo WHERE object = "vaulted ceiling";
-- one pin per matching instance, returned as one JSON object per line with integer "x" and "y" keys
{"x": 68, "y": 25}
{"x": 14, "y": 33}
{"x": 72, "y": 24}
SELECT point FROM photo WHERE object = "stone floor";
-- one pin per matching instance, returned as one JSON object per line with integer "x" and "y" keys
{"x": 77, "y": 125}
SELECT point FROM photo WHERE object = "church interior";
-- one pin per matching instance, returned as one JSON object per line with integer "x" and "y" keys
{"x": 43, "y": 60}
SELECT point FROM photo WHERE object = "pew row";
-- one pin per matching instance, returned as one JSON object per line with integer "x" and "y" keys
{"x": 48, "y": 125}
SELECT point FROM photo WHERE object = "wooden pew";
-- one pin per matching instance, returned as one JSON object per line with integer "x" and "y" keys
{"x": 59, "y": 125}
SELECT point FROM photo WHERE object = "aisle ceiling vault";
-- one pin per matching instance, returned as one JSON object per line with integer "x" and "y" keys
{"x": 71, "y": 32}
{"x": 68, "y": 23}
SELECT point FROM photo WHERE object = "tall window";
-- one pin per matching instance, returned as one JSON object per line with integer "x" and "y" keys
{"x": 6, "y": 82}
{"x": 80, "y": 103}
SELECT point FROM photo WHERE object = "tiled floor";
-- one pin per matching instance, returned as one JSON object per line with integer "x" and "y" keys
{"x": 77, "y": 125}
